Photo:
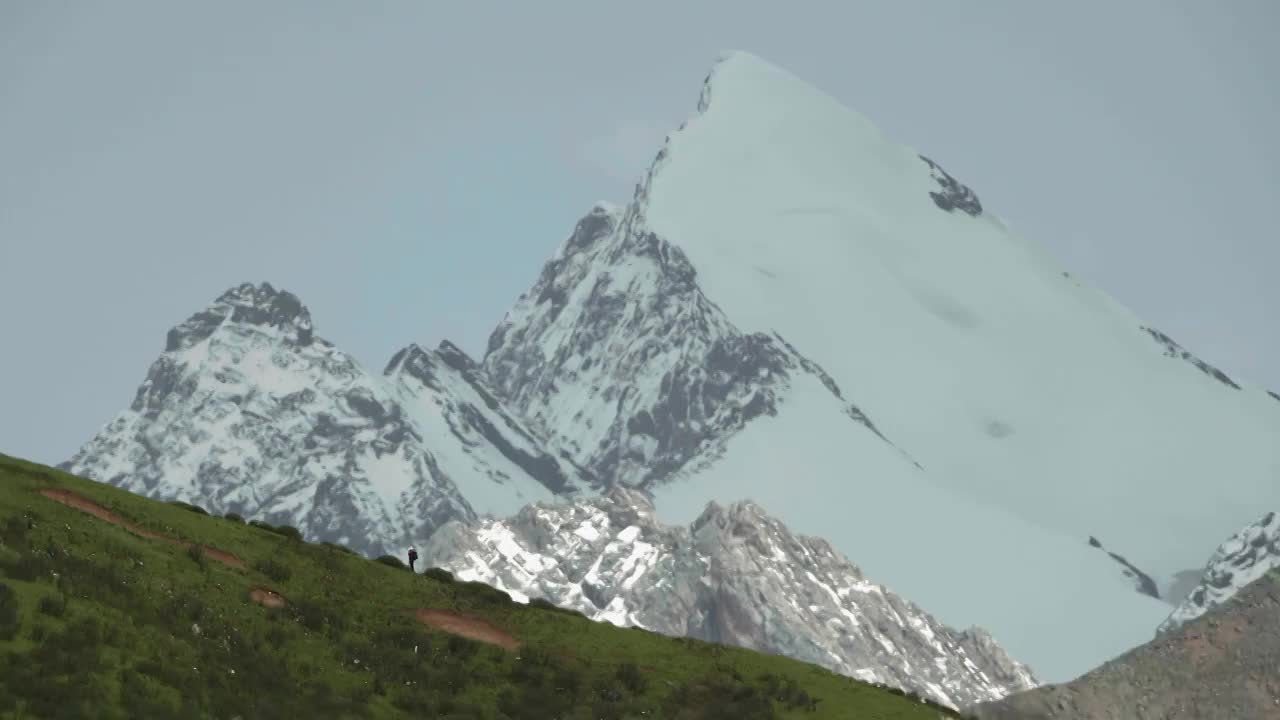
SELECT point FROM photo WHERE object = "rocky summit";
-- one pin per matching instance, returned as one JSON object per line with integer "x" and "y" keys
{"x": 1241, "y": 559}
{"x": 1221, "y": 665}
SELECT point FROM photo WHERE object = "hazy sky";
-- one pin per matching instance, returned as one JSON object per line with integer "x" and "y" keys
{"x": 406, "y": 167}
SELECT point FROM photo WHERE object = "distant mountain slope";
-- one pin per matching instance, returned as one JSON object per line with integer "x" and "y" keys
{"x": 1241, "y": 559}
{"x": 783, "y": 268}
{"x": 249, "y": 411}
{"x": 734, "y": 576}
{"x": 1218, "y": 666}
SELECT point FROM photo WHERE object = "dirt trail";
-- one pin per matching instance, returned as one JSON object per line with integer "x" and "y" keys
{"x": 85, "y": 505}
{"x": 468, "y": 627}
{"x": 268, "y": 598}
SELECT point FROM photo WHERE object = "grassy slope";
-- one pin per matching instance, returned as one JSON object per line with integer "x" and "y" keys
{"x": 98, "y": 622}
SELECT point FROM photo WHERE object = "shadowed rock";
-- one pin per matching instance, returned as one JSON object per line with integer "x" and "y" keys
{"x": 1219, "y": 666}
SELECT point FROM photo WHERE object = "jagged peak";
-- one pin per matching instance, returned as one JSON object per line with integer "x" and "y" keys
{"x": 424, "y": 364}
{"x": 403, "y": 357}
{"x": 735, "y": 513}
{"x": 246, "y": 304}
{"x": 620, "y": 494}
{"x": 604, "y": 207}
{"x": 455, "y": 357}
{"x": 1240, "y": 560}
{"x": 752, "y": 79}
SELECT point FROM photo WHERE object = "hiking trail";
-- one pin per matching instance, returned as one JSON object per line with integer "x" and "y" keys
{"x": 87, "y": 506}
{"x": 468, "y": 627}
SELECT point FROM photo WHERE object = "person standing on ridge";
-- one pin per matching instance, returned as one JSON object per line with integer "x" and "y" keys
{"x": 413, "y": 557}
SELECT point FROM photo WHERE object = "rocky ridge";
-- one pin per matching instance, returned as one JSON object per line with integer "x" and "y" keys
{"x": 735, "y": 576}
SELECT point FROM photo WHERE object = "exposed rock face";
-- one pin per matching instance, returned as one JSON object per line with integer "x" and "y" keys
{"x": 1243, "y": 558}
{"x": 1174, "y": 350}
{"x": 1142, "y": 582}
{"x": 954, "y": 195}
{"x": 248, "y": 411}
{"x": 1221, "y": 665}
{"x": 735, "y": 576}
{"x": 616, "y": 355}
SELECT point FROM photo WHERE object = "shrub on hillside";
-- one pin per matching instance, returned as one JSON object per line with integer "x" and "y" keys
{"x": 188, "y": 506}
{"x": 440, "y": 574}
{"x": 545, "y": 604}
{"x": 234, "y": 517}
{"x": 629, "y": 675}
{"x": 288, "y": 531}
{"x": 273, "y": 569}
{"x": 339, "y": 548}
{"x": 392, "y": 561}
{"x": 485, "y": 593}
{"x": 14, "y": 531}
{"x": 10, "y": 620}
{"x": 719, "y": 697}
{"x": 318, "y": 617}
{"x": 53, "y": 605}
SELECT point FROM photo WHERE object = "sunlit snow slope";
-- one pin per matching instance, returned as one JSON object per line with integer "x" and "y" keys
{"x": 1010, "y": 411}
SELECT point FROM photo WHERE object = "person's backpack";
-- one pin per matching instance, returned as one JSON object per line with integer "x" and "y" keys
{"x": 413, "y": 555}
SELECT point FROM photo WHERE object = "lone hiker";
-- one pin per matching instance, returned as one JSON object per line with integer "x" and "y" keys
{"x": 413, "y": 557}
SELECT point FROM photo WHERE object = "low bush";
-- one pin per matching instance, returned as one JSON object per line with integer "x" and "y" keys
{"x": 273, "y": 569}
{"x": 234, "y": 517}
{"x": 288, "y": 531}
{"x": 485, "y": 593}
{"x": 545, "y": 604}
{"x": 629, "y": 675}
{"x": 53, "y": 605}
{"x": 189, "y": 507}
{"x": 10, "y": 618}
{"x": 392, "y": 561}
{"x": 440, "y": 574}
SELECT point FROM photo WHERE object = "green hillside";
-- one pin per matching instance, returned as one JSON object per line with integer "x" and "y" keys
{"x": 161, "y": 620}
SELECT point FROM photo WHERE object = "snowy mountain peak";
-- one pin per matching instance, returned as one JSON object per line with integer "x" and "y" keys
{"x": 1241, "y": 559}
{"x": 248, "y": 411}
{"x": 743, "y": 77}
{"x": 784, "y": 268}
{"x": 247, "y": 304}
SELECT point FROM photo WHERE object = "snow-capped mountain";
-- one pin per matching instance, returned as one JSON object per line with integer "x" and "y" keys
{"x": 796, "y": 310}
{"x": 248, "y": 411}
{"x": 735, "y": 576}
{"x": 793, "y": 310}
{"x": 1243, "y": 558}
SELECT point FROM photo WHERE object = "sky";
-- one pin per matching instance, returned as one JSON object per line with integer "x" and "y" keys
{"x": 406, "y": 167}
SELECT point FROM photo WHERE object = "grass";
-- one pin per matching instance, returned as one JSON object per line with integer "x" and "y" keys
{"x": 98, "y": 622}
